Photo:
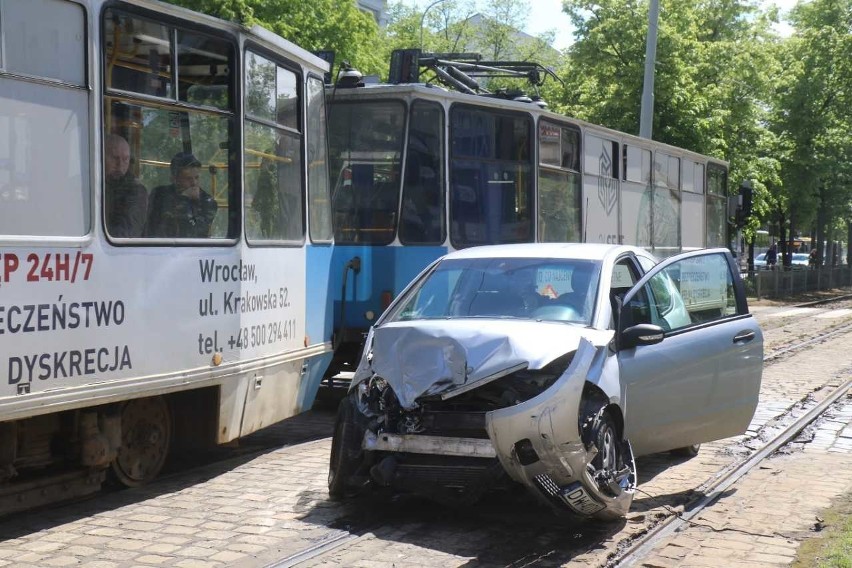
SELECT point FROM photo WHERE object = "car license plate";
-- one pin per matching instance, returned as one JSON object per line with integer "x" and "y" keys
{"x": 576, "y": 497}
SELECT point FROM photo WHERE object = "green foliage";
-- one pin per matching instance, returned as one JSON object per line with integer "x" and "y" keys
{"x": 812, "y": 114}
{"x": 320, "y": 24}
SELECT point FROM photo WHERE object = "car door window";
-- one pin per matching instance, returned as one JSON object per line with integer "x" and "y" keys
{"x": 689, "y": 291}
{"x": 624, "y": 276}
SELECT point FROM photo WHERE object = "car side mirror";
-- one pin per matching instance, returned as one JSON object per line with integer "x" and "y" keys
{"x": 641, "y": 334}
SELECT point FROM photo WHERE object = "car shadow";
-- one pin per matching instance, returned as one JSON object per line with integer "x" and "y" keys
{"x": 505, "y": 528}
{"x": 651, "y": 466}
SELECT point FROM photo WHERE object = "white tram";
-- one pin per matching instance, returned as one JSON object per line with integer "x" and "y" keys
{"x": 165, "y": 239}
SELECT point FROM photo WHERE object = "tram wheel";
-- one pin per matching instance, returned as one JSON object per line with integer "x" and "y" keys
{"x": 146, "y": 434}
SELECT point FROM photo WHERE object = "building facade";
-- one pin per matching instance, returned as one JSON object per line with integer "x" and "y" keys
{"x": 377, "y": 8}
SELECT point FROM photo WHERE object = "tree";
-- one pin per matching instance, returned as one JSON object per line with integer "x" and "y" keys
{"x": 317, "y": 25}
{"x": 813, "y": 116}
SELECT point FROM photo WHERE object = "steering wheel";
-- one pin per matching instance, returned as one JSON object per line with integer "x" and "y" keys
{"x": 556, "y": 312}
{"x": 568, "y": 299}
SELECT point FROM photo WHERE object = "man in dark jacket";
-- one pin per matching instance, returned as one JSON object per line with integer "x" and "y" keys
{"x": 125, "y": 198}
{"x": 181, "y": 209}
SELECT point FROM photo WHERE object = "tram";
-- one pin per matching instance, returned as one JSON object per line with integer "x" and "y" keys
{"x": 165, "y": 239}
{"x": 432, "y": 161}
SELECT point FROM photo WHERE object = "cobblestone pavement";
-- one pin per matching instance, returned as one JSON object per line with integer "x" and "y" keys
{"x": 763, "y": 518}
{"x": 257, "y": 508}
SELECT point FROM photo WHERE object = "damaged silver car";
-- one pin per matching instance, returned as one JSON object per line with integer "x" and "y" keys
{"x": 549, "y": 365}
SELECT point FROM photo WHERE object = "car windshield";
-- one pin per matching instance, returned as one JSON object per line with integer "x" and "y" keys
{"x": 800, "y": 257}
{"x": 539, "y": 289}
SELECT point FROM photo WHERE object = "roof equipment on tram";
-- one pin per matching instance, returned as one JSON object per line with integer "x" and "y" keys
{"x": 464, "y": 72}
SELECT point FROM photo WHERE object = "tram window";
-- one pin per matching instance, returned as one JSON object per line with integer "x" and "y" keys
{"x": 666, "y": 171}
{"x": 491, "y": 176}
{"x": 260, "y": 87}
{"x": 274, "y": 200}
{"x": 558, "y": 183}
{"x": 717, "y": 180}
{"x": 692, "y": 176}
{"x": 167, "y": 134}
{"x": 286, "y": 95}
{"x": 44, "y": 38}
{"x": 717, "y": 188}
{"x": 137, "y": 55}
{"x": 637, "y": 164}
{"x": 601, "y": 157}
{"x": 273, "y": 194}
{"x": 423, "y": 189}
{"x": 319, "y": 206}
{"x": 666, "y": 210}
{"x": 558, "y": 206}
{"x": 44, "y": 140}
{"x": 559, "y": 145}
{"x": 44, "y": 152}
{"x": 178, "y": 153}
{"x": 203, "y": 68}
{"x": 365, "y": 149}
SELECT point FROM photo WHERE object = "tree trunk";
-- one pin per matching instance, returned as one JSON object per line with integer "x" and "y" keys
{"x": 820, "y": 228}
{"x": 786, "y": 240}
{"x": 848, "y": 242}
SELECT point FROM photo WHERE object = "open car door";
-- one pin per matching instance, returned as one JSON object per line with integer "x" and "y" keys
{"x": 690, "y": 355}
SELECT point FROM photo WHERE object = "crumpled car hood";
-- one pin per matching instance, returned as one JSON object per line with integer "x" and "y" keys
{"x": 432, "y": 357}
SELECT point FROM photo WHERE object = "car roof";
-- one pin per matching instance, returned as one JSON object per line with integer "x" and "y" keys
{"x": 581, "y": 251}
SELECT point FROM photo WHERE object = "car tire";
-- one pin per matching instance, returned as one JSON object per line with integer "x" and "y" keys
{"x": 345, "y": 449}
{"x": 605, "y": 439}
{"x": 686, "y": 451}
{"x": 613, "y": 455}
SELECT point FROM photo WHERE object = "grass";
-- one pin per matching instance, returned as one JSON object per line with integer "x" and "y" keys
{"x": 833, "y": 547}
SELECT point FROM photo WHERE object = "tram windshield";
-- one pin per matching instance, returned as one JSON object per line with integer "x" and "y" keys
{"x": 491, "y": 183}
{"x": 365, "y": 147}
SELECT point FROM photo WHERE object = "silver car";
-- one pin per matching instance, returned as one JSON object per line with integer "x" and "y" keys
{"x": 549, "y": 365}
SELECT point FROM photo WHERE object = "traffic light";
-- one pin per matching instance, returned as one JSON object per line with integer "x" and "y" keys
{"x": 745, "y": 203}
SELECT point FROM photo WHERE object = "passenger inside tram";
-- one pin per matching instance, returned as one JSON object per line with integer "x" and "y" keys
{"x": 125, "y": 198}
{"x": 181, "y": 209}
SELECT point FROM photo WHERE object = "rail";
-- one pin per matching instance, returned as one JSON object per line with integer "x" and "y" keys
{"x": 712, "y": 488}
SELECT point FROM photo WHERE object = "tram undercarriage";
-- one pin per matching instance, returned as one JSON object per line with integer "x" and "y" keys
{"x": 64, "y": 455}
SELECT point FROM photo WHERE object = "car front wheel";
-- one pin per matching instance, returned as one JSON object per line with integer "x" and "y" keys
{"x": 345, "y": 449}
{"x": 613, "y": 468}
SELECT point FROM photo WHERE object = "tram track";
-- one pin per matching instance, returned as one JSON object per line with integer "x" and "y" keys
{"x": 634, "y": 549}
{"x": 724, "y": 479}
{"x": 355, "y": 528}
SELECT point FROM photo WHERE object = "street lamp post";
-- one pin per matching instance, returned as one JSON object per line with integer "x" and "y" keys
{"x": 646, "y": 118}
{"x": 423, "y": 19}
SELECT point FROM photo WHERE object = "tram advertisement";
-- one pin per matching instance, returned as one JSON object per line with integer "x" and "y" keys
{"x": 70, "y": 318}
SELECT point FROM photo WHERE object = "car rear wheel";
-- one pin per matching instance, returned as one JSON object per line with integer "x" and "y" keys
{"x": 345, "y": 449}
{"x": 686, "y": 451}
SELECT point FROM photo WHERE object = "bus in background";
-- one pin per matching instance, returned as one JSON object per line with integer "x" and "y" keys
{"x": 418, "y": 169}
{"x": 165, "y": 239}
